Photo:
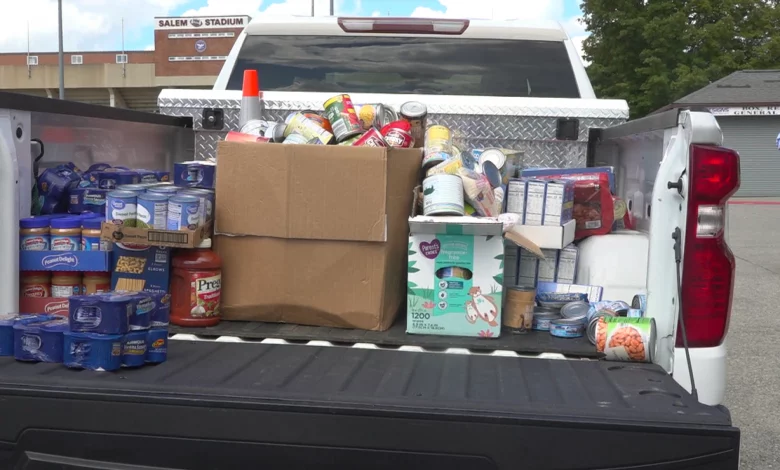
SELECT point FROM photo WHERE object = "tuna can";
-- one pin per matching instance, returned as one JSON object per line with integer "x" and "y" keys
{"x": 640, "y": 301}
{"x": 375, "y": 115}
{"x": 92, "y": 351}
{"x": 206, "y": 197}
{"x": 100, "y": 313}
{"x": 121, "y": 208}
{"x": 275, "y": 132}
{"x": 342, "y": 116}
{"x": 143, "y": 309}
{"x": 576, "y": 311}
{"x": 567, "y": 328}
{"x": 152, "y": 211}
{"x": 541, "y": 321}
{"x": 397, "y": 134}
{"x": 438, "y": 146}
{"x": 162, "y": 311}
{"x": 39, "y": 341}
{"x": 134, "y": 349}
{"x": 593, "y": 322}
{"x": 109, "y": 179}
{"x": 297, "y": 123}
{"x": 416, "y": 114}
{"x": 494, "y": 156}
{"x": 372, "y": 138}
{"x": 443, "y": 195}
{"x": 167, "y": 190}
{"x": 626, "y": 339}
{"x": 183, "y": 212}
{"x": 255, "y": 127}
{"x": 157, "y": 345}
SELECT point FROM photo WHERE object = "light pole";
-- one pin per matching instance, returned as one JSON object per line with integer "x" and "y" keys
{"x": 62, "y": 58}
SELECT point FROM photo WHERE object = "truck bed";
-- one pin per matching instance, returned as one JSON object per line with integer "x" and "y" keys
{"x": 223, "y": 405}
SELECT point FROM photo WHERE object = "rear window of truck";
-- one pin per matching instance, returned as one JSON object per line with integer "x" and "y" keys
{"x": 408, "y": 65}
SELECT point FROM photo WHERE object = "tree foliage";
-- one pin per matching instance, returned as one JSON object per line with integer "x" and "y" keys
{"x": 653, "y": 52}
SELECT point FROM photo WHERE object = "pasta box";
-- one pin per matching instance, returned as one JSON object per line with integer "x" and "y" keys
{"x": 137, "y": 268}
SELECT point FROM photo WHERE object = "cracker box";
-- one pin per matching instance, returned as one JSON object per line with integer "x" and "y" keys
{"x": 139, "y": 268}
{"x": 516, "y": 197}
{"x": 548, "y": 266}
{"x": 527, "y": 269}
{"x": 567, "y": 265}
{"x": 558, "y": 202}
{"x": 536, "y": 193}
{"x": 455, "y": 276}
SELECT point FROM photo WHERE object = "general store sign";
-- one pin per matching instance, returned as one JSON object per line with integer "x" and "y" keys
{"x": 201, "y": 22}
{"x": 746, "y": 111}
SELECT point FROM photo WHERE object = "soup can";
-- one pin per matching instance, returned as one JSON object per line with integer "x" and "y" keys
{"x": 443, "y": 195}
{"x": 183, "y": 212}
{"x": 416, "y": 114}
{"x": 121, "y": 208}
{"x": 342, "y": 116}
{"x": 297, "y": 123}
{"x": 372, "y": 138}
{"x": 153, "y": 211}
{"x": 626, "y": 339}
{"x": 438, "y": 146}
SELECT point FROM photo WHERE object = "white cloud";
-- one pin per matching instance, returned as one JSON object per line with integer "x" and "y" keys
{"x": 150, "y": 47}
{"x": 495, "y": 9}
{"x": 87, "y": 24}
{"x": 376, "y": 13}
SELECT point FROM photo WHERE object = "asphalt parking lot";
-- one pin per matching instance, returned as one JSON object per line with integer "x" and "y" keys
{"x": 753, "y": 386}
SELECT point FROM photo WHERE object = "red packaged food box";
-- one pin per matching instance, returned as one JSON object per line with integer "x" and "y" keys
{"x": 593, "y": 207}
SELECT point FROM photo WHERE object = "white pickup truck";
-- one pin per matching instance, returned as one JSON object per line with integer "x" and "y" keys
{"x": 306, "y": 396}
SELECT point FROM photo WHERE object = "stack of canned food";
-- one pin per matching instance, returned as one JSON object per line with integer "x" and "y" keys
{"x": 160, "y": 206}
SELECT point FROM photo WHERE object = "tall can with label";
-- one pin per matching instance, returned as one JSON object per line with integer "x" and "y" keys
{"x": 196, "y": 286}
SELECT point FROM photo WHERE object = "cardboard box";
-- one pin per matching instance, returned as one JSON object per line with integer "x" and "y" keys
{"x": 516, "y": 197}
{"x": 312, "y": 234}
{"x": 455, "y": 282}
{"x": 558, "y": 202}
{"x": 567, "y": 265}
{"x": 65, "y": 261}
{"x": 141, "y": 268}
{"x": 548, "y": 266}
{"x": 53, "y": 305}
{"x": 114, "y": 233}
{"x": 553, "y": 238}
{"x": 536, "y": 193}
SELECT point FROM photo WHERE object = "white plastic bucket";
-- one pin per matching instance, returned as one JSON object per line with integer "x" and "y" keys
{"x": 443, "y": 195}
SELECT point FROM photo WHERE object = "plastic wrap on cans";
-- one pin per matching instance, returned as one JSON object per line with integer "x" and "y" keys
{"x": 448, "y": 167}
{"x": 92, "y": 351}
{"x": 626, "y": 339}
{"x": 297, "y": 123}
{"x": 372, "y": 138}
{"x": 438, "y": 146}
{"x": 157, "y": 345}
{"x": 234, "y": 136}
{"x": 478, "y": 192}
{"x": 375, "y": 115}
{"x": 397, "y": 134}
{"x": 567, "y": 328}
{"x": 443, "y": 195}
{"x": 134, "y": 348}
{"x": 617, "y": 307}
{"x": 342, "y": 116}
{"x": 416, "y": 114}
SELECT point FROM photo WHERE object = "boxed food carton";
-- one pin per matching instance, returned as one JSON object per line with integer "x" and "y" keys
{"x": 558, "y": 202}
{"x": 536, "y": 193}
{"x": 548, "y": 266}
{"x": 137, "y": 268}
{"x": 567, "y": 265}
{"x": 516, "y": 197}
{"x": 527, "y": 269}
{"x": 455, "y": 276}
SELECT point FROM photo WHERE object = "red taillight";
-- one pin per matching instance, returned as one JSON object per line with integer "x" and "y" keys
{"x": 708, "y": 264}
{"x": 403, "y": 25}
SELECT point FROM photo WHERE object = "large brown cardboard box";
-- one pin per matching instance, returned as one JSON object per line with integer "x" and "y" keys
{"x": 314, "y": 235}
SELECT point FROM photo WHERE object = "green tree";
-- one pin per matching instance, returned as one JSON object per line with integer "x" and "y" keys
{"x": 653, "y": 52}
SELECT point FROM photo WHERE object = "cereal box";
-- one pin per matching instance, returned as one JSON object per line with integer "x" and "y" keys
{"x": 534, "y": 202}
{"x": 566, "y": 271}
{"x": 558, "y": 202}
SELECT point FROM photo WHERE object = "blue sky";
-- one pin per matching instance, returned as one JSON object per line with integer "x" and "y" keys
{"x": 96, "y": 24}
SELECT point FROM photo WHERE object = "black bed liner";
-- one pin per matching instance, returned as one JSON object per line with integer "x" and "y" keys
{"x": 535, "y": 342}
{"x": 222, "y": 405}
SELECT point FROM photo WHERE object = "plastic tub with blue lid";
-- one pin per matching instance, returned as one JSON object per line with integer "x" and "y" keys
{"x": 107, "y": 314}
{"x": 92, "y": 351}
{"x": 157, "y": 345}
{"x": 134, "y": 349}
{"x": 39, "y": 341}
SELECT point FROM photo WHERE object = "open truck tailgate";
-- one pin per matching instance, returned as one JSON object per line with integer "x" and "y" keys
{"x": 223, "y": 405}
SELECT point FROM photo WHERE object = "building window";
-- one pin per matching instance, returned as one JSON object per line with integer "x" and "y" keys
{"x": 32, "y": 60}
{"x": 200, "y": 35}
{"x": 121, "y": 58}
{"x": 76, "y": 60}
{"x": 197, "y": 58}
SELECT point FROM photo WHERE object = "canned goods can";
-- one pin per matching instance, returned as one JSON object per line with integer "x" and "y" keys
{"x": 206, "y": 197}
{"x": 567, "y": 328}
{"x": 626, "y": 339}
{"x": 443, "y": 195}
{"x": 541, "y": 321}
{"x": 157, "y": 345}
{"x": 576, "y": 311}
{"x": 492, "y": 155}
{"x": 234, "y": 136}
{"x": 416, "y": 114}
{"x": 319, "y": 119}
{"x": 275, "y": 132}
{"x": 342, "y": 116}
{"x": 254, "y": 127}
{"x": 183, "y": 212}
{"x": 518, "y": 311}
{"x": 593, "y": 322}
{"x": 438, "y": 146}
{"x": 121, "y": 208}
{"x": 136, "y": 188}
{"x": 449, "y": 167}
{"x": 153, "y": 211}
{"x": 297, "y": 123}
{"x": 299, "y": 139}
{"x": 351, "y": 141}
{"x": 134, "y": 349}
{"x": 634, "y": 313}
{"x": 375, "y": 115}
{"x": 397, "y": 134}
{"x": 640, "y": 301}
{"x": 372, "y": 138}
{"x": 167, "y": 190}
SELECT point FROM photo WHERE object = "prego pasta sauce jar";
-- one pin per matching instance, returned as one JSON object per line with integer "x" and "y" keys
{"x": 196, "y": 286}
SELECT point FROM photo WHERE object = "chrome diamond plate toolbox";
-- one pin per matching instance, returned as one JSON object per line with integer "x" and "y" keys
{"x": 523, "y": 124}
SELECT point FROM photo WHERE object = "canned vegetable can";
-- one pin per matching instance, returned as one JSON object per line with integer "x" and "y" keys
{"x": 626, "y": 339}
{"x": 153, "y": 211}
{"x": 438, "y": 146}
{"x": 342, "y": 117}
{"x": 183, "y": 212}
{"x": 121, "y": 208}
{"x": 297, "y": 123}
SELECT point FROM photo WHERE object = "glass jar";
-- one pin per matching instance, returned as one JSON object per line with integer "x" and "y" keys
{"x": 34, "y": 234}
{"x": 35, "y": 284}
{"x": 65, "y": 283}
{"x": 95, "y": 283}
{"x": 65, "y": 234}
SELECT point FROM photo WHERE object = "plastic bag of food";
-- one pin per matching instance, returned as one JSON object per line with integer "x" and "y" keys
{"x": 478, "y": 193}
{"x": 593, "y": 207}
